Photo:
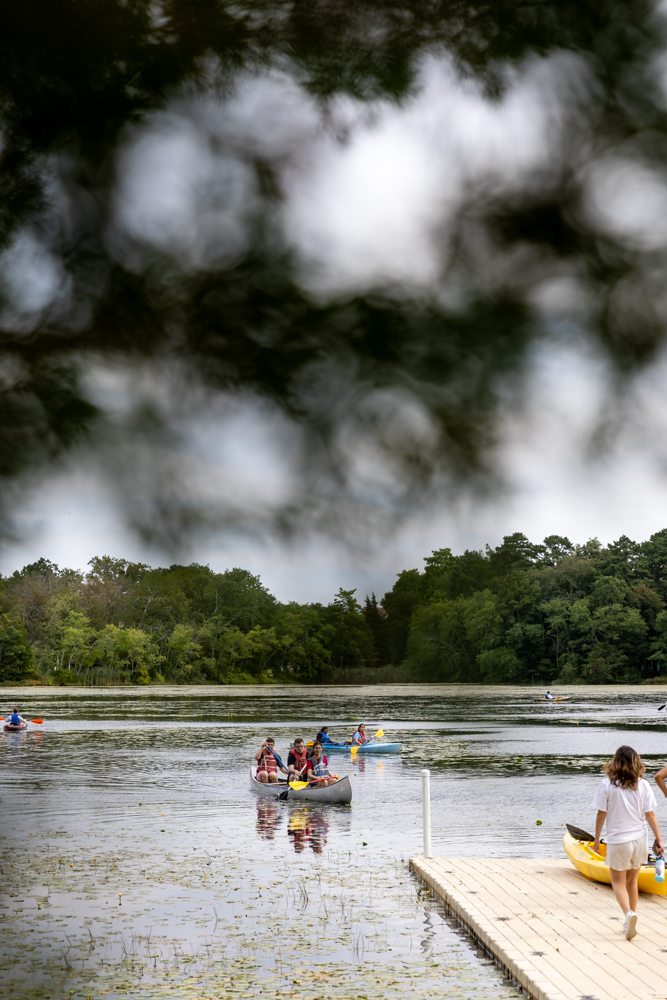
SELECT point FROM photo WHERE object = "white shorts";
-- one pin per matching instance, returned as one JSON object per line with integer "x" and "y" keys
{"x": 632, "y": 854}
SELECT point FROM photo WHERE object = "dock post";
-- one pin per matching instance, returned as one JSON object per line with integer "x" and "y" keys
{"x": 426, "y": 805}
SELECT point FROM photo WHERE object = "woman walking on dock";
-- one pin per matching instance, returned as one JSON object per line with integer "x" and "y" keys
{"x": 625, "y": 800}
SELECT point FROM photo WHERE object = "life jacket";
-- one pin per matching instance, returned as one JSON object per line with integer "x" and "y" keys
{"x": 301, "y": 762}
{"x": 15, "y": 719}
{"x": 267, "y": 762}
{"x": 360, "y": 736}
{"x": 319, "y": 768}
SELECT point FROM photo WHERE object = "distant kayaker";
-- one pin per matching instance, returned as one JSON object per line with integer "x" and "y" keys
{"x": 297, "y": 762}
{"x": 625, "y": 800}
{"x": 360, "y": 736}
{"x": 549, "y": 696}
{"x": 323, "y": 736}
{"x": 15, "y": 719}
{"x": 267, "y": 765}
{"x": 318, "y": 769}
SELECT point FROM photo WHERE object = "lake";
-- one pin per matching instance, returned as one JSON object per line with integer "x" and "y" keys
{"x": 136, "y": 861}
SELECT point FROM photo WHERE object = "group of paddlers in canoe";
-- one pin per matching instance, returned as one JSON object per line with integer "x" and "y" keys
{"x": 304, "y": 763}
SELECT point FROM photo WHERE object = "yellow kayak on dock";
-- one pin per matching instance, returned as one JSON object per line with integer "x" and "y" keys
{"x": 592, "y": 865}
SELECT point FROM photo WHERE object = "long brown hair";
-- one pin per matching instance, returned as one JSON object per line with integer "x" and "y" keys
{"x": 625, "y": 768}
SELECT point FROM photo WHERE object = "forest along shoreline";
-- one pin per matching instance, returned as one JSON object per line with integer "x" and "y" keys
{"x": 520, "y": 613}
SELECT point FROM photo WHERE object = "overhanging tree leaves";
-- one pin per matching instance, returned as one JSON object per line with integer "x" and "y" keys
{"x": 77, "y": 79}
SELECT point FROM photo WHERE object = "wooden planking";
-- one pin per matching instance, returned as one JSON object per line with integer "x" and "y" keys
{"x": 518, "y": 907}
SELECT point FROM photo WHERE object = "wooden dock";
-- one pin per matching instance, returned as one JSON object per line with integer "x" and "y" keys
{"x": 558, "y": 935}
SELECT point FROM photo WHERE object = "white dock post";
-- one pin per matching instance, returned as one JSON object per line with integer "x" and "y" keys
{"x": 426, "y": 804}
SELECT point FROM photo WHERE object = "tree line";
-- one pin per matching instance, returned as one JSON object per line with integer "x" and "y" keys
{"x": 517, "y": 613}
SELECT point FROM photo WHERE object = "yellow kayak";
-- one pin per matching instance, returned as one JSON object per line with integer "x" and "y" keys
{"x": 592, "y": 865}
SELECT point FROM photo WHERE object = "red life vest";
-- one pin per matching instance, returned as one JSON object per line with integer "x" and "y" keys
{"x": 300, "y": 762}
{"x": 267, "y": 762}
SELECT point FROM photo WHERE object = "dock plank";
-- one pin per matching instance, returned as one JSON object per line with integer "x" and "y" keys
{"x": 558, "y": 934}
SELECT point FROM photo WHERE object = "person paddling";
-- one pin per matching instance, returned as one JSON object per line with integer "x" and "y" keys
{"x": 267, "y": 765}
{"x": 318, "y": 770}
{"x": 297, "y": 762}
{"x": 625, "y": 801}
{"x": 323, "y": 736}
{"x": 15, "y": 719}
{"x": 359, "y": 737}
{"x": 549, "y": 696}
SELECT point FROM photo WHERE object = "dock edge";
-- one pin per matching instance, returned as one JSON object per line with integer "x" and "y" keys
{"x": 422, "y": 868}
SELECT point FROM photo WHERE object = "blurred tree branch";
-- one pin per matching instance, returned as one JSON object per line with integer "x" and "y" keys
{"x": 76, "y": 75}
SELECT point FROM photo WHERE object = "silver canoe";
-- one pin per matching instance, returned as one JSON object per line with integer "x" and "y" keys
{"x": 340, "y": 793}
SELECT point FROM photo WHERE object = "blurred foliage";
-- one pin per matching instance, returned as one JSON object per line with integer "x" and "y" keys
{"x": 519, "y": 613}
{"x": 76, "y": 78}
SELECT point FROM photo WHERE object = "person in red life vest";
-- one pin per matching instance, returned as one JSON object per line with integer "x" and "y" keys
{"x": 359, "y": 737}
{"x": 297, "y": 763}
{"x": 267, "y": 765}
{"x": 317, "y": 768}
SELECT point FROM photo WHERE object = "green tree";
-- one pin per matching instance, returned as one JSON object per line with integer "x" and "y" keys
{"x": 134, "y": 652}
{"x": 376, "y": 622}
{"x": 399, "y": 603}
{"x": 75, "y": 644}
{"x": 350, "y": 642}
{"x": 16, "y": 653}
{"x": 303, "y": 652}
{"x": 440, "y": 647}
{"x": 184, "y": 649}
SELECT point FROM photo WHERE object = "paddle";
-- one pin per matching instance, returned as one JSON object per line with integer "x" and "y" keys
{"x": 378, "y": 735}
{"x": 283, "y": 795}
{"x": 662, "y": 706}
{"x": 38, "y": 721}
{"x": 277, "y": 757}
{"x": 578, "y": 834}
{"x": 298, "y": 785}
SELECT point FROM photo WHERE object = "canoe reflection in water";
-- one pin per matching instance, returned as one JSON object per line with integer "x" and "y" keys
{"x": 305, "y": 827}
{"x": 308, "y": 827}
{"x": 268, "y": 818}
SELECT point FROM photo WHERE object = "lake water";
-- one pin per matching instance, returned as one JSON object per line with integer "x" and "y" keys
{"x": 136, "y": 861}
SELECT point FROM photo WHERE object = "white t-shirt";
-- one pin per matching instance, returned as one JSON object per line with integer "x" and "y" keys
{"x": 625, "y": 809}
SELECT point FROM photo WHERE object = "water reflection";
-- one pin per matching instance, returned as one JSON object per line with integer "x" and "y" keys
{"x": 268, "y": 818}
{"x": 308, "y": 828}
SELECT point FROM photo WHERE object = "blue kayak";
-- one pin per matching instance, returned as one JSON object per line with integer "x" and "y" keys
{"x": 365, "y": 748}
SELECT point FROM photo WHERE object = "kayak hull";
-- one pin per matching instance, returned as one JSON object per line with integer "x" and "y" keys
{"x": 9, "y": 728}
{"x": 551, "y": 701}
{"x": 592, "y": 865}
{"x": 365, "y": 748}
{"x": 380, "y": 748}
{"x": 338, "y": 794}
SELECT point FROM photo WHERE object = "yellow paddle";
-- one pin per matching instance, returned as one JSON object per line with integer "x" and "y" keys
{"x": 378, "y": 735}
{"x": 298, "y": 785}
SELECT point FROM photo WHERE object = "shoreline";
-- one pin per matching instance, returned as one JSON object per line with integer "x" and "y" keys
{"x": 265, "y": 690}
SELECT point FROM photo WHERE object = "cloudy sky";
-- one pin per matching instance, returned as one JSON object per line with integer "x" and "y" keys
{"x": 367, "y": 200}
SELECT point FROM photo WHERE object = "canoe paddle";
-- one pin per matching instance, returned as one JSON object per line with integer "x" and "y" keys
{"x": 378, "y": 735}
{"x": 298, "y": 785}
{"x": 283, "y": 795}
{"x": 662, "y": 706}
{"x": 38, "y": 721}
